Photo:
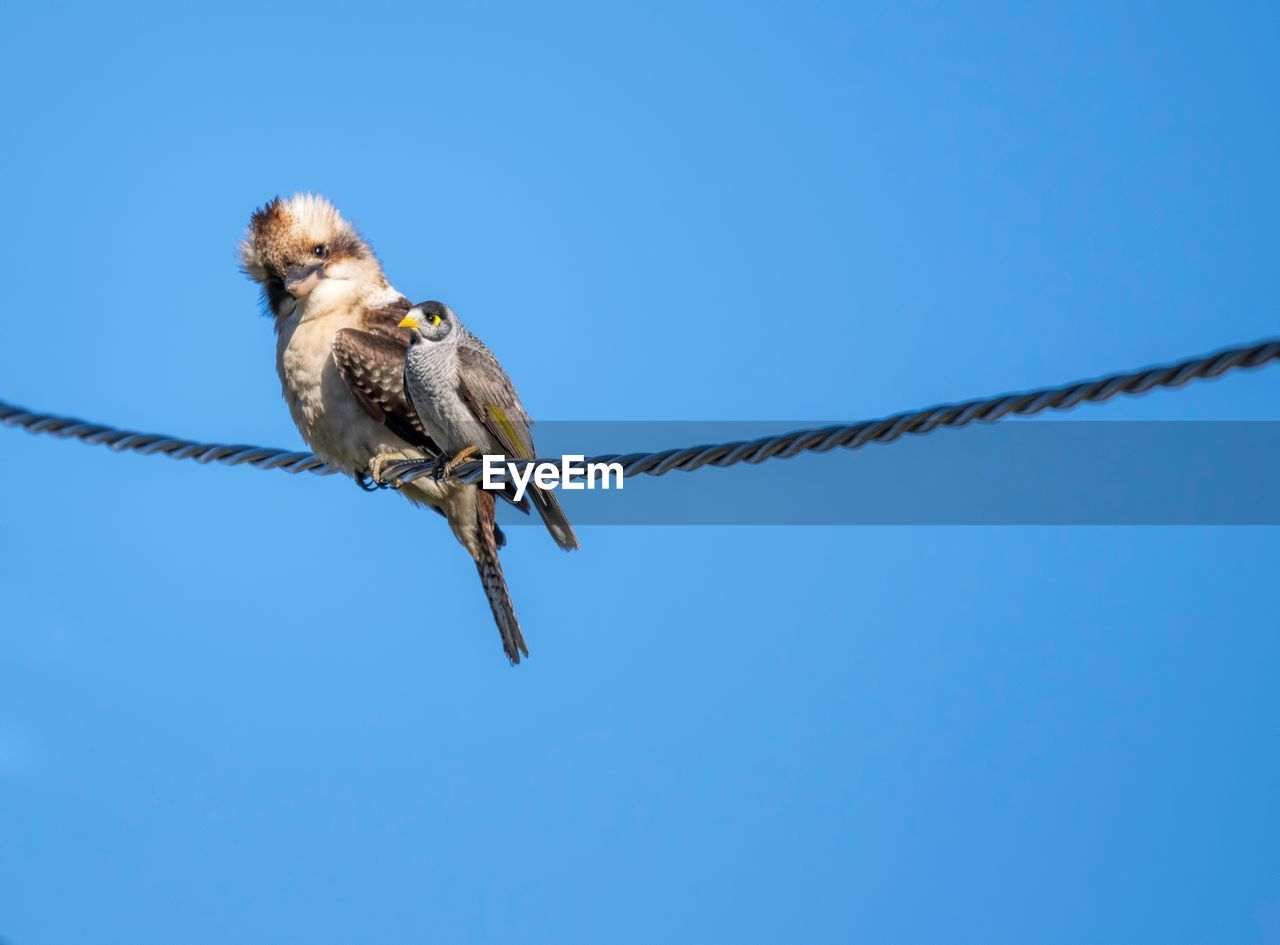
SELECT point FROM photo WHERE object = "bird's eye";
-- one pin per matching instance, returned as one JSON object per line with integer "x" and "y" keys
{"x": 320, "y": 251}
{"x": 434, "y": 319}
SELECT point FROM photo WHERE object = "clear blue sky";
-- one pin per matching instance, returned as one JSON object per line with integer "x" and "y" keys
{"x": 242, "y": 707}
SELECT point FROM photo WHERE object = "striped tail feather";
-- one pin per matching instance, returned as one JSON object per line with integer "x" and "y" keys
{"x": 495, "y": 585}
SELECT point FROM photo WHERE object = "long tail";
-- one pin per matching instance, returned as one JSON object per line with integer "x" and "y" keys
{"x": 553, "y": 516}
{"x": 495, "y": 585}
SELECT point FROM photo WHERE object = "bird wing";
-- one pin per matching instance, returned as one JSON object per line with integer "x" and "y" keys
{"x": 371, "y": 362}
{"x": 491, "y": 398}
{"x": 488, "y": 392}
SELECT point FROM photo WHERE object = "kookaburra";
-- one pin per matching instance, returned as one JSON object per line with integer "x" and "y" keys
{"x": 340, "y": 354}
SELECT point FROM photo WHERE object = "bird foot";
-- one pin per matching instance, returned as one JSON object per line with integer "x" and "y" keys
{"x": 378, "y": 465}
{"x": 462, "y": 456}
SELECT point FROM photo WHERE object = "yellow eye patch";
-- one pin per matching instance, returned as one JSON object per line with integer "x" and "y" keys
{"x": 433, "y": 319}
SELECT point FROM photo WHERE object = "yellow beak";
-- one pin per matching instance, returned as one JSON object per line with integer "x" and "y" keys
{"x": 411, "y": 321}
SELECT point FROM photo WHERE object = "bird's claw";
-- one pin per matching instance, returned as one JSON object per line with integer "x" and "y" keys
{"x": 377, "y": 467}
{"x": 445, "y": 470}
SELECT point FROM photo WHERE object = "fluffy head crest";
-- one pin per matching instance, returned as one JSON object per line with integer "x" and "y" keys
{"x": 287, "y": 231}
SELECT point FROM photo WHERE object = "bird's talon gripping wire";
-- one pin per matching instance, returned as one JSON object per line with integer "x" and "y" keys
{"x": 445, "y": 470}
{"x": 376, "y": 474}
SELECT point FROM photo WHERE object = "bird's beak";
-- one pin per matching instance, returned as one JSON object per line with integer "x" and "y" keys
{"x": 300, "y": 280}
{"x": 411, "y": 321}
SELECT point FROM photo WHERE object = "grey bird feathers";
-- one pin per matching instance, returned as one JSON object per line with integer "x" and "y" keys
{"x": 465, "y": 399}
{"x": 465, "y": 402}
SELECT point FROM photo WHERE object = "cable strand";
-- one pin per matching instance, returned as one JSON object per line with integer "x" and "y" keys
{"x": 782, "y": 446}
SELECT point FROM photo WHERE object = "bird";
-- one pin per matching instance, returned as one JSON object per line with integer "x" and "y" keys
{"x": 340, "y": 355}
{"x": 467, "y": 403}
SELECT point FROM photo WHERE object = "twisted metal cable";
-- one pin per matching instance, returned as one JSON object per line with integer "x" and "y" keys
{"x": 173, "y": 447}
{"x": 783, "y": 446}
{"x": 888, "y": 429}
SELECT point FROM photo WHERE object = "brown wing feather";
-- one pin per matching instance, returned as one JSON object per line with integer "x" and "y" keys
{"x": 372, "y": 365}
{"x": 386, "y": 319}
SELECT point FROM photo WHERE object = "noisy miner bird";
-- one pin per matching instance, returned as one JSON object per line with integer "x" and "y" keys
{"x": 340, "y": 356}
{"x": 467, "y": 404}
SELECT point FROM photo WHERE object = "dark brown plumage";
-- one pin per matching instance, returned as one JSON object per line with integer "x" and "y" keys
{"x": 372, "y": 365}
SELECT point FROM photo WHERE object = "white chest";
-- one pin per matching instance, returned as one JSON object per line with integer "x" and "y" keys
{"x": 329, "y": 418}
{"x": 303, "y": 353}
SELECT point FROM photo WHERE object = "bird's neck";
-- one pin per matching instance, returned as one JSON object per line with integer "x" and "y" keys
{"x": 335, "y": 297}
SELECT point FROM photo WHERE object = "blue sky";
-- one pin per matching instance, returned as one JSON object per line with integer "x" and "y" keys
{"x": 241, "y": 706}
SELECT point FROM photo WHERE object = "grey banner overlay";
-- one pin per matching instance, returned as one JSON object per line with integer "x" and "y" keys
{"x": 1018, "y": 472}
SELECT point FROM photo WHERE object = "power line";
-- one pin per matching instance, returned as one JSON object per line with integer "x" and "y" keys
{"x": 783, "y": 446}
{"x": 173, "y": 447}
